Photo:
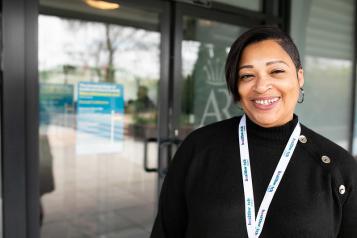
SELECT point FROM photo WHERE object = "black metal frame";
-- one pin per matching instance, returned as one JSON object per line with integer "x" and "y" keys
{"x": 164, "y": 89}
{"x": 149, "y": 5}
{"x": 284, "y": 14}
{"x": 20, "y": 119}
{"x": 79, "y": 15}
{"x": 353, "y": 128}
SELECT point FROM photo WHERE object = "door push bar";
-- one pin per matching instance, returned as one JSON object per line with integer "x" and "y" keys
{"x": 162, "y": 143}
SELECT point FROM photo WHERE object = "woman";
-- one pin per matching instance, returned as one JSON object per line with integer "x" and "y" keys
{"x": 289, "y": 182}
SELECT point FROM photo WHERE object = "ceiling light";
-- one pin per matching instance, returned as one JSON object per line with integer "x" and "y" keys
{"x": 103, "y": 5}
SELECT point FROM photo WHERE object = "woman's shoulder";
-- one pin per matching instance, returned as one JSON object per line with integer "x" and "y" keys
{"x": 329, "y": 154}
{"x": 321, "y": 144}
{"x": 217, "y": 131}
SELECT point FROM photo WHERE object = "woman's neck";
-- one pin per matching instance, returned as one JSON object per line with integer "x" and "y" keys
{"x": 267, "y": 135}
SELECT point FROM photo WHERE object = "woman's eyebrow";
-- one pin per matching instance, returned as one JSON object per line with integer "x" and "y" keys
{"x": 248, "y": 66}
{"x": 245, "y": 66}
{"x": 276, "y": 61}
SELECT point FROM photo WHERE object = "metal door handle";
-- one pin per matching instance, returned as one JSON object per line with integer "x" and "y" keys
{"x": 162, "y": 143}
{"x": 146, "y": 167}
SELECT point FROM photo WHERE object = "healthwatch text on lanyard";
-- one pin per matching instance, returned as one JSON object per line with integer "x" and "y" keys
{"x": 255, "y": 226}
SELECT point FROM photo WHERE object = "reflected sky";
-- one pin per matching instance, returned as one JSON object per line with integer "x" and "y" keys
{"x": 85, "y": 46}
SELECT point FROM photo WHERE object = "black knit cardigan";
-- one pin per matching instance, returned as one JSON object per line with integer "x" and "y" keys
{"x": 202, "y": 195}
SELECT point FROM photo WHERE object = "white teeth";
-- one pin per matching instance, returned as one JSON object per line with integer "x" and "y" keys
{"x": 266, "y": 102}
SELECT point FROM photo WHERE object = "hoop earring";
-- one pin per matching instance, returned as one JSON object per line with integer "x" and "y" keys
{"x": 301, "y": 96}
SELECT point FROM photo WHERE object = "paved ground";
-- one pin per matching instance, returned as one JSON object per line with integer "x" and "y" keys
{"x": 98, "y": 195}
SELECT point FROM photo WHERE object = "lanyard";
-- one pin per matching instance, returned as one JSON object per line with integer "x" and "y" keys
{"x": 255, "y": 226}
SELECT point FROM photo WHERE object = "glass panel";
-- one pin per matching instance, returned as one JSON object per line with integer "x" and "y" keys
{"x": 255, "y": 5}
{"x": 205, "y": 98}
{"x": 327, "y": 62}
{"x": 98, "y": 103}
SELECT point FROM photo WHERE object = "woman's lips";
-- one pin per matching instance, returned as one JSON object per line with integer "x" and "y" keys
{"x": 265, "y": 103}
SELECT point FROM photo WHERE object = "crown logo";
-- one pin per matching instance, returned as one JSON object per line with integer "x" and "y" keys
{"x": 215, "y": 72}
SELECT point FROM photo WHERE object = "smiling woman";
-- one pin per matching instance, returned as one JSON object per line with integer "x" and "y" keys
{"x": 304, "y": 184}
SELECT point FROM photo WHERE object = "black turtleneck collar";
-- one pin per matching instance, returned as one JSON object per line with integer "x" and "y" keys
{"x": 276, "y": 135}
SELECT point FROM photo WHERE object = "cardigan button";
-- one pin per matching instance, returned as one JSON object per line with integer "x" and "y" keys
{"x": 325, "y": 159}
{"x": 342, "y": 189}
{"x": 302, "y": 139}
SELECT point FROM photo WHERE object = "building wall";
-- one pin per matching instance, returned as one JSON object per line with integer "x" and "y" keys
{"x": 324, "y": 33}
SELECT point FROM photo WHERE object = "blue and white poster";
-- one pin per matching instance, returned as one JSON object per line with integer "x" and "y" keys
{"x": 100, "y": 118}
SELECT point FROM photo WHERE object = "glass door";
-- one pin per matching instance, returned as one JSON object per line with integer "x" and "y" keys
{"x": 202, "y": 96}
{"x": 99, "y": 78}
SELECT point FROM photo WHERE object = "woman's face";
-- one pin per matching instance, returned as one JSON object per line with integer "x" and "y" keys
{"x": 268, "y": 83}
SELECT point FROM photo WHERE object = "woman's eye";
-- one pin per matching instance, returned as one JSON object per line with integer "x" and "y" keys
{"x": 245, "y": 76}
{"x": 277, "y": 71}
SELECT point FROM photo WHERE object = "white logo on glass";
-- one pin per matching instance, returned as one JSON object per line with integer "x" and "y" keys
{"x": 215, "y": 72}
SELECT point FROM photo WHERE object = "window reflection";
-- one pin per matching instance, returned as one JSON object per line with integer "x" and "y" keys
{"x": 327, "y": 62}
{"x": 98, "y": 103}
{"x": 205, "y": 98}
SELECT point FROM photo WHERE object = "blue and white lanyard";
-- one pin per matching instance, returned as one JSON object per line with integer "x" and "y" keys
{"x": 255, "y": 226}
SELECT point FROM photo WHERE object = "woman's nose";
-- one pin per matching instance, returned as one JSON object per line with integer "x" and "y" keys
{"x": 262, "y": 84}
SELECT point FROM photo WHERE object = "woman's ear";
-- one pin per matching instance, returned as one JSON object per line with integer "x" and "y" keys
{"x": 300, "y": 76}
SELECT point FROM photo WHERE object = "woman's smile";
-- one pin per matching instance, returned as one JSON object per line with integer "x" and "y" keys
{"x": 265, "y": 103}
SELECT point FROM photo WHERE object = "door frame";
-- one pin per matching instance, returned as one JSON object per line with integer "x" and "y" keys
{"x": 20, "y": 190}
{"x": 20, "y": 110}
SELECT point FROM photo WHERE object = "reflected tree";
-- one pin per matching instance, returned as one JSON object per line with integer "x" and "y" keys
{"x": 101, "y": 53}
